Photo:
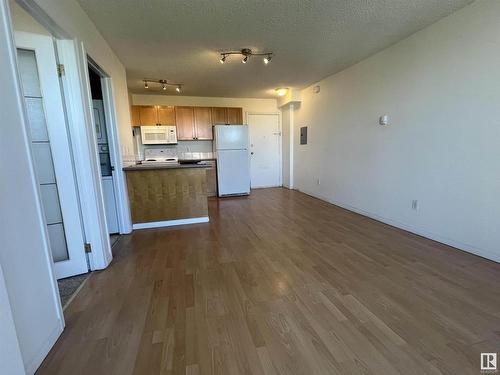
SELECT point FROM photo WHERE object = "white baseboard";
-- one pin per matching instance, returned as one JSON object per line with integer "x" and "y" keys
{"x": 170, "y": 223}
{"x": 413, "y": 229}
{"x": 32, "y": 365}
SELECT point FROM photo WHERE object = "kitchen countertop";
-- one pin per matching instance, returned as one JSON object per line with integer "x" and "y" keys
{"x": 144, "y": 167}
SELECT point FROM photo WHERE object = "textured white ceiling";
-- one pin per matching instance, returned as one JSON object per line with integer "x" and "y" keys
{"x": 311, "y": 39}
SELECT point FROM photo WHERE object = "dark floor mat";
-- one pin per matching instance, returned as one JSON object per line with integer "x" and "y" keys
{"x": 68, "y": 286}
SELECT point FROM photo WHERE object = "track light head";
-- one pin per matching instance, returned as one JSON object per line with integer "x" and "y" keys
{"x": 164, "y": 86}
{"x": 267, "y": 59}
{"x": 146, "y": 86}
{"x": 245, "y": 59}
{"x": 223, "y": 59}
{"x": 178, "y": 88}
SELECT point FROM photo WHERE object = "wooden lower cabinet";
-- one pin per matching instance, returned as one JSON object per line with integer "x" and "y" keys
{"x": 212, "y": 179}
{"x": 167, "y": 194}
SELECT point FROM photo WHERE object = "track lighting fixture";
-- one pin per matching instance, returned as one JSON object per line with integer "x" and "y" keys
{"x": 163, "y": 84}
{"x": 246, "y": 53}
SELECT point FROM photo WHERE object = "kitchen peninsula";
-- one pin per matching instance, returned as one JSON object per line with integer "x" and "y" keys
{"x": 167, "y": 195}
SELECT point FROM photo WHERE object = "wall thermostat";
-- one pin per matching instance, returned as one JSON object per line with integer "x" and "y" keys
{"x": 383, "y": 120}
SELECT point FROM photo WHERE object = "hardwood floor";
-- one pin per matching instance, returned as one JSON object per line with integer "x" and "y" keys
{"x": 282, "y": 283}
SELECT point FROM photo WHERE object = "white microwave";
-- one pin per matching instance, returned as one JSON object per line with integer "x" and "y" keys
{"x": 158, "y": 135}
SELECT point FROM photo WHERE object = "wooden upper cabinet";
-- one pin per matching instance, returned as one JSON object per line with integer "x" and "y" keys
{"x": 166, "y": 115}
{"x": 184, "y": 117}
{"x": 203, "y": 123}
{"x": 148, "y": 115}
{"x": 219, "y": 115}
{"x": 195, "y": 122}
{"x": 235, "y": 116}
{"x": 135, "y": 116}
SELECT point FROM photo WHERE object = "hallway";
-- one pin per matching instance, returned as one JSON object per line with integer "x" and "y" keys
{"x": 281, "y": 283}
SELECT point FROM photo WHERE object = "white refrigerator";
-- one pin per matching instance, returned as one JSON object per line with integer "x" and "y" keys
{"x": 233, "y": 163}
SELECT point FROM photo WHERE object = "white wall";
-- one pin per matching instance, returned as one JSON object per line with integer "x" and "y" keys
{"x": 24, "y": 254}
{"x": 441, "y": 90}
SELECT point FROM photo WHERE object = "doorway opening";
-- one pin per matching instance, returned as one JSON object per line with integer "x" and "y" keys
{"x": 106, "y": 156}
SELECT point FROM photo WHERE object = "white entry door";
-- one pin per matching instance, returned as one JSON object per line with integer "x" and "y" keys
{"x": 52, "y": 160}
{"x": 265, "y": 160}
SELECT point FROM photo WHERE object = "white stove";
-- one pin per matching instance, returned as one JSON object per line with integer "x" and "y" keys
{"x": 160, "y": 156}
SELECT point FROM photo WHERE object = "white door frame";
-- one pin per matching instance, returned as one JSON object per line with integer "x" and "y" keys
{"x": 121, "y": 195}
{"x": 78, "y": 98}
{"x": 280, "y": 152}
{"x": 43, "y": 47}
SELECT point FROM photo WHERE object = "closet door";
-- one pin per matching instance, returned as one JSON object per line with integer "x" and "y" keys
{"x": 51, "y": 152}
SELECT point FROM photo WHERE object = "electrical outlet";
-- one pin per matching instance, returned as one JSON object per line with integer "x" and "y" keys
{"x": 414, "y": 204}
